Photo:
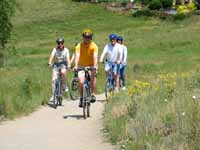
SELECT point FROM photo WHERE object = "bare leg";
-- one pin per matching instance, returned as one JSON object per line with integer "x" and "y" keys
{"x": 81, "y": 81}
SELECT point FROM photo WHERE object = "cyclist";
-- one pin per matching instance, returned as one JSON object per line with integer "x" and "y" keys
{"x": 124, "y": 62}
{"x": 113, "y": 50}
{"x": 59, "y": 58}
{"x": 86, "y": 55}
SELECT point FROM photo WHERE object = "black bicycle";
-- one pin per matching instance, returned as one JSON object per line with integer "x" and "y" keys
{"x": 86, "y": 91}
{"x": 74, "y": 87}
{"x": 58, "y": 90}
{"x": 110, "y": 83}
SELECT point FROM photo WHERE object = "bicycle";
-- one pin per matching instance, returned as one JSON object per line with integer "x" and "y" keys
{"x": 110, "y": 83}
{"x": 86, "y": 91}
{"x": 58, "y": 90}
{"x": 74, "y": 87}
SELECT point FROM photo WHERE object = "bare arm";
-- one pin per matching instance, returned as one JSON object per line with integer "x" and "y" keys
{"x": 51, "y": 57}
{"x": 77, "y": 56}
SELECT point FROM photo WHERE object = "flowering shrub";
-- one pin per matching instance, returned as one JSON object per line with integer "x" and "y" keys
{"x": 186, "y": 8}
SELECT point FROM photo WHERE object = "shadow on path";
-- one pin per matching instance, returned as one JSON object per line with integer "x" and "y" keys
{"x": 78, "y": 117}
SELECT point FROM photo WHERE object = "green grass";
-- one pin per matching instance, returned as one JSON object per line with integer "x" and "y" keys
{"x": 154, "y": 46}
{"x": 161, "y": 118}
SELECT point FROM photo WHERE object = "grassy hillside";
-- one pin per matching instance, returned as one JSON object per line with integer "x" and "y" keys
{"x": 154, "y": 47}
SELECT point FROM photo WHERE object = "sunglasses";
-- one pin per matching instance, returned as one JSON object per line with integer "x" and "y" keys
{"x": 87, "y": 37}
{"x": 60, "y": 43}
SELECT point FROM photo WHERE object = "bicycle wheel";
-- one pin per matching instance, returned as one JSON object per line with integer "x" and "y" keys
{"x": 60, "y": 92}
{"x": 74, "y": 89}
{"x": 86, "y": 101}
{"x": 88, "y": 109}
{"x": 55, "y": 95}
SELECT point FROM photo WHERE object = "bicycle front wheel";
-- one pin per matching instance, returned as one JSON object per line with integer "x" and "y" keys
{"x": 74, "y": 89}
{"x": 86, "y": 101}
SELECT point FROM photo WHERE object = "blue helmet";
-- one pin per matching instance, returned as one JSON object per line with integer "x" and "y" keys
{"x": 119, "y": 38}
{"x": 112, "y": 36}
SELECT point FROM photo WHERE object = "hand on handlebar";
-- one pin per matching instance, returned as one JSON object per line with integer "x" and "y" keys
{"x": 75, "y": 68}
{"x": 50, "y": 65}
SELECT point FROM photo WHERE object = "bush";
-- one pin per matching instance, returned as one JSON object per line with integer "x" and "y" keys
{"x": 166, "y": 3}
{"x": 192, "y": 6}
{"x": 180, "y": 16}
{"x": 155, "y": 5}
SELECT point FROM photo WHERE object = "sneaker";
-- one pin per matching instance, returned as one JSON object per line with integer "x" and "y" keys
{"x": 124, "y": 88}
{"x": 81, "y": 102}
{"x": 93, "y": 99}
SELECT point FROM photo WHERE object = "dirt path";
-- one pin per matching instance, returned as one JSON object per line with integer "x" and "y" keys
{"x": 56, "y": 129}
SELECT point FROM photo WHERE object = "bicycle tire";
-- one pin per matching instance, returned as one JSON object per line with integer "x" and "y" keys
{"x": 86, "y": 101}
{"x": 88, "y": 110}
{"x": 108, "y": 89}
{"x": 60, "y": 101}
{"x": 55, "y": 95}
{"x": 74, "y": 91}
{"x": 60, "y": 92}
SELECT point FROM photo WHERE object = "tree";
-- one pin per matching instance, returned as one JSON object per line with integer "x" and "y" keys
{"x": 6, "y": 12}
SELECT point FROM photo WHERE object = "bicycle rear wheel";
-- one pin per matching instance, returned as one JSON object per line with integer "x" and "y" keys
{"x": 108, "y": 89}
{"x": 74, "y": 89}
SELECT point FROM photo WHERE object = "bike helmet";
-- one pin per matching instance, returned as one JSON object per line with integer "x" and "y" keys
{"x": 87, "y": 33}
{"x": 60, "y": 40}
{"x": 112, "y": 36}
{"x": 119, "y": 38}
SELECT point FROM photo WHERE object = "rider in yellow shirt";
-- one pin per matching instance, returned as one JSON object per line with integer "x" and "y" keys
{"x": 86, "y": 55}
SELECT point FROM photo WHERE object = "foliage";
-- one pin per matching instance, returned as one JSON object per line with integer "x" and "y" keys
{"x": 180, "y": 16}
{"x": 155, "y": 5}
{"x": 186, "y": 8}
{"x": 6, "y": 12}
{"x": 166, "y": 3}
{"x": 192, "y": 6}
{"x": 182, "y": 9}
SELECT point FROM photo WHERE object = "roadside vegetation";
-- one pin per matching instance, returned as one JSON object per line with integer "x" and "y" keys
{"x": 157, "y": 113}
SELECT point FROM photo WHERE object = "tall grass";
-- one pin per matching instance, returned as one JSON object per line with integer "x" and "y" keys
{"x": 23, "y": 89}
{"x": 161, "y": 114}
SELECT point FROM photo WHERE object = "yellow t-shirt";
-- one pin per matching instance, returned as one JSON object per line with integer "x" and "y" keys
{"x": 86, "y": 52}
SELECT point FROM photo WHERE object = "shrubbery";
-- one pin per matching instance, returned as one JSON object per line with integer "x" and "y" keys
{"x": 155, "y": 5}
{"x": 158, "y": 4}
{"x": 166, "y": 3}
